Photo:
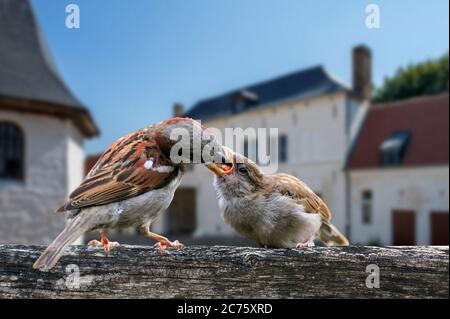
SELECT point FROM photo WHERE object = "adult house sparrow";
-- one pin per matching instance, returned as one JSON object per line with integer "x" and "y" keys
{"x": 276, "y": 210}
{"x": 132, "y": 183}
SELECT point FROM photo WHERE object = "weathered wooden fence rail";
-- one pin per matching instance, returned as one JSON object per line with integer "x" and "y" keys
{"x": 228, "y": 272}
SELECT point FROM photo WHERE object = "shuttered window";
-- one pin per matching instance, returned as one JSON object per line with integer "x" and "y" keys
{"x": 11, "y": 152}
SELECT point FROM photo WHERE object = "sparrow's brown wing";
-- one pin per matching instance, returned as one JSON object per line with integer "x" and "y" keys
{"x": 293, "y": 187}
{"x": 131, "y": 166}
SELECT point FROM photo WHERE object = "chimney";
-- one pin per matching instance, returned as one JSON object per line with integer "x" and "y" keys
{"x": 362, "y": 72}
{"x": 177, "y": 109}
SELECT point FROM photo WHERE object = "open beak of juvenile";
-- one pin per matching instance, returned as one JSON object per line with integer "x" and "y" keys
{"x": 226, "y": 166}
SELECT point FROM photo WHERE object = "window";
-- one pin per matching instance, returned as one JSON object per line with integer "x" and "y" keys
{"x": 246, "y": 148}
{"x": 393, "y": 148}
{"x": 239, "y": 106}
{"x": 366, "y": 207}
{"x": 243, "y": 99}
{"x": 251, "y": 149}
{"x": 11, "y": 151}
{"x": 282, "y": 149}
{"x": 263, "y": 155}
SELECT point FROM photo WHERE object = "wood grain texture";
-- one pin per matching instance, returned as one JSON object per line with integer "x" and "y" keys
{"x": 227, "y": 272}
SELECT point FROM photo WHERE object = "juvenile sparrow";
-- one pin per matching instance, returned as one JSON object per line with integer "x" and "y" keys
{"x": 132, "y": 183}
{"x": 277, "y": 210}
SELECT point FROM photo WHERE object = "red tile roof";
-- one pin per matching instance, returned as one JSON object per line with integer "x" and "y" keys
{"x": 427, "y": 119}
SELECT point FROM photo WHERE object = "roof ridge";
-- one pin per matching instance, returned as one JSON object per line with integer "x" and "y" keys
{"x": 48, "y": 57}
{"x": 33, "y": 73}
{"x": 278, "y": 77}
{"x": 428, "y": 145}
{"x": 301, "y": 84}
{"x": 403, "y": 102}
{"x": 34, "y": 83}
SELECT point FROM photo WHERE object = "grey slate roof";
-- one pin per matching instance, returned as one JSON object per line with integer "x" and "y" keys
{"x": 29, "y": 81}
{"x": 304, "y": 84}
{"x": 26, "y": 69}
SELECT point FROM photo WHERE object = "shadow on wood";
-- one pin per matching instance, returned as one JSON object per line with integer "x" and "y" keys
{"x": 227, "y": 272}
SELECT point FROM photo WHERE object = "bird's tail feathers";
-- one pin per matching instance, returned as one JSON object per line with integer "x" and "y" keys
{"x": 331, "y": 236}
{"x": 74, "y": 229}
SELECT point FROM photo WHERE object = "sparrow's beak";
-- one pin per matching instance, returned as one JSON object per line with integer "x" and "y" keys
{"x": 227, "y": 165}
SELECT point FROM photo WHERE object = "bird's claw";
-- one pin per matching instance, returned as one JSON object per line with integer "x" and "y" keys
{"x": 94, "y": 243}
{"x": 308, "y": 243}
{"x": 162, "y": 245}
{"x": 107, "y": 246}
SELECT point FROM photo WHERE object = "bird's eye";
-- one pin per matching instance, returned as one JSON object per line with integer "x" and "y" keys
{"x": 243, "y": 170}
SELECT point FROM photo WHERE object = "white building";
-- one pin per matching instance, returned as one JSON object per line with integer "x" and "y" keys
{"x": 399, "y": 174}
{"x": 317, "y": 118}
{"x": 42, "y": 128}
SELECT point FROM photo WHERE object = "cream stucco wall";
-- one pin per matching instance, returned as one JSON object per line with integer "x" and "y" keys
{"x": 53, "y": 166}
{"x": 420, "y": 189}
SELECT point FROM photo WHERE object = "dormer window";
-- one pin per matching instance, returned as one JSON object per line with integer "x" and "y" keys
{"x": 11, "y": 152}
{"x": 393, "y": 148}
{"x": 239, "y": 106}
{"x": 242, "y": 99}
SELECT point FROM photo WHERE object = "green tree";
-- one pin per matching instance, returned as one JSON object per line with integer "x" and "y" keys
{"x": 425, "y": 78}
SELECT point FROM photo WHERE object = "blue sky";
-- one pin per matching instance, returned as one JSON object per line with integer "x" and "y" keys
{"x": 131, "y": 60}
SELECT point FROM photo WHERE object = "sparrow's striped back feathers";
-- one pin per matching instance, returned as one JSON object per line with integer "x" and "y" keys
{"x": 123, "y": 171}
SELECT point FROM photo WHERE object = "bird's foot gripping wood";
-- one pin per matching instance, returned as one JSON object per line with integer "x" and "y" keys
{"x": 162, "y": 245}
{"x": 162, "y": 242}
{"x": 105, "y": 243}
{"x": 308, "y": 243}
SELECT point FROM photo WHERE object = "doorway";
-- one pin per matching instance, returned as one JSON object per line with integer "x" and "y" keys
{"x": 439, "y": 228}
{"x": 182, "y": 213}
{"x": 404, "y": 227}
